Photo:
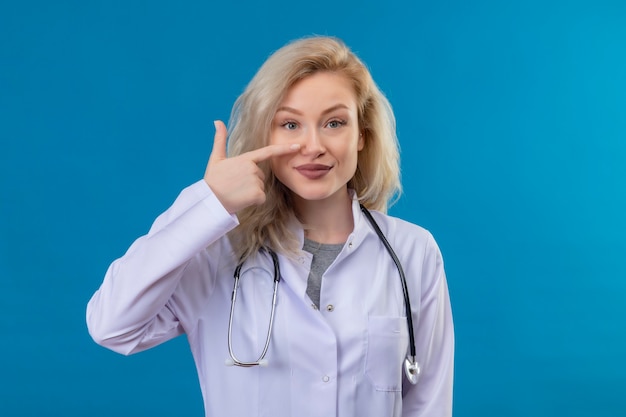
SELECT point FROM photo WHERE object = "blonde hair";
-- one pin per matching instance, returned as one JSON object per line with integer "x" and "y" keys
{"x": 377, "y": 177}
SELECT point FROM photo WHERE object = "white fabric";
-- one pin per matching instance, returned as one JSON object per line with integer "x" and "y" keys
{"x": 340, "y": 361}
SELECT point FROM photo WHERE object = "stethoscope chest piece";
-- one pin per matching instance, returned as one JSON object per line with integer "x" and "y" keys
{"x": 412, "y": 370}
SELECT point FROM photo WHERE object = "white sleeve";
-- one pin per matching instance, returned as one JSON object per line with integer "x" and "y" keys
{"x": 130, "y": 311}
{"x": 434, "y": 339}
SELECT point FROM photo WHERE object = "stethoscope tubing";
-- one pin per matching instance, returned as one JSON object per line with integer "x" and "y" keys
{"x": 261, "y": 360}
{"x": 411, "y": 366}
{"x": 405, "y": 289}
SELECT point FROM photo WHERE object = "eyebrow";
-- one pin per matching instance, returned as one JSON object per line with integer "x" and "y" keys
{"x": 299, "y": 113}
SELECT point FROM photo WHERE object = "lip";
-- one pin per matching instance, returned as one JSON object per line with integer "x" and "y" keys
{"x": 313, "y": 171}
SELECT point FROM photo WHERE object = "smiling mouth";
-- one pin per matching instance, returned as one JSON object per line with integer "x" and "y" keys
{"x": 313, "y": 171}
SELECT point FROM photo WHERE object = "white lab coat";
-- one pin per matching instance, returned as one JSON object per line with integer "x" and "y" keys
{"x": 345, "y": 359}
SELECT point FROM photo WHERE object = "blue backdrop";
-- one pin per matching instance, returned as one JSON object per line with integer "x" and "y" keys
{"x": 512, "y": 122}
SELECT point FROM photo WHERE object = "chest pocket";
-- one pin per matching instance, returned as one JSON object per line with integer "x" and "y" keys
{"x": 387, "y": 344}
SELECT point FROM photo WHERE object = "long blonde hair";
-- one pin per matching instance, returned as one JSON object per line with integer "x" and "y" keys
{"x": 377, "y": 177}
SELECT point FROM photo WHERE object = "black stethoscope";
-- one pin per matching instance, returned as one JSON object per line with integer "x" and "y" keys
{"x": 411, "y": 367}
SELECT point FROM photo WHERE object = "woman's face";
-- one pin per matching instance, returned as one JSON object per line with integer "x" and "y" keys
{"x": 319, "y": 112}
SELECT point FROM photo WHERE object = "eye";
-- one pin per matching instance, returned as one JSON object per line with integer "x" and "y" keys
{"x": 290, "y": 125}
{"x": 336, "y": 123}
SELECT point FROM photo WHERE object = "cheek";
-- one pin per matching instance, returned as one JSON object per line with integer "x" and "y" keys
{"x": 351, "y": 153}
{"x": 278, "y": 164}
{"x": 274, "y": 164}
{"x": 275, "y": 137}
{"x": 353, "y": 159}
{"x": 279, "y": 137}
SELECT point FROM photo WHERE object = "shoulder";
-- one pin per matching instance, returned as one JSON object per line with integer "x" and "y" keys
{"x": 407, "y": 237}
{"x": 400, "y": 228}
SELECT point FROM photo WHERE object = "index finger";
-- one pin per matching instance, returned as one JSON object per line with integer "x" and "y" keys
{"x": 261, "y": 154}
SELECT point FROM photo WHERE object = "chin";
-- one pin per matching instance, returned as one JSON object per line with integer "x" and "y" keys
{"x": 311, "y": 194}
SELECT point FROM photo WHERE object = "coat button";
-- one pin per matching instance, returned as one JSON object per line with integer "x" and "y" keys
{"x": 330, "y": 307}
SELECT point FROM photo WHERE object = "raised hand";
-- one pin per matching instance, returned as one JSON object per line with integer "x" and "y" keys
{"x": 238, "y": 182}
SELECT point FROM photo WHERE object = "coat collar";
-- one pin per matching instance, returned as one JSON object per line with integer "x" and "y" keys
{"x": 361, "y": 226}
{"x": 295, "y": 270}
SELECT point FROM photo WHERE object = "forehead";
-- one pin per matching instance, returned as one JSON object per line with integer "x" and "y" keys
{"x": 321, "y": 88}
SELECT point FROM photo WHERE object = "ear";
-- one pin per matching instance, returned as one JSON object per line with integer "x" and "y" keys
{"x": 361, "y": 142}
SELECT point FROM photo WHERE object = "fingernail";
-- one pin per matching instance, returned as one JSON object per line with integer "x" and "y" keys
{"x": 294, "y": 146}
{"x": 215, "y": 124}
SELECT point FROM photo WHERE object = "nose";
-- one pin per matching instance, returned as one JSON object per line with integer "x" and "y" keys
{"x": 312, "y": 143}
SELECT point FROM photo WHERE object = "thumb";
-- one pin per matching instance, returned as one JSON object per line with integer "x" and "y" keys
{"x": 219, "y": 142}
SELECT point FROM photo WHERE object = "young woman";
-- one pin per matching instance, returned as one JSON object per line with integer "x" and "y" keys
{"x": 320, "y": 301}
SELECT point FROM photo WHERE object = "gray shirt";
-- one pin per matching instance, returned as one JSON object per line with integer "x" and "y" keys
{"x": 323, "y": 255}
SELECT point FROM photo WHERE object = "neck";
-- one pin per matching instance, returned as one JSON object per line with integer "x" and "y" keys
{"x": 326, "y": 221}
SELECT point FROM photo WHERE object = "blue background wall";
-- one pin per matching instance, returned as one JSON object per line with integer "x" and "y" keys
{"x": 512, "y": 121}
